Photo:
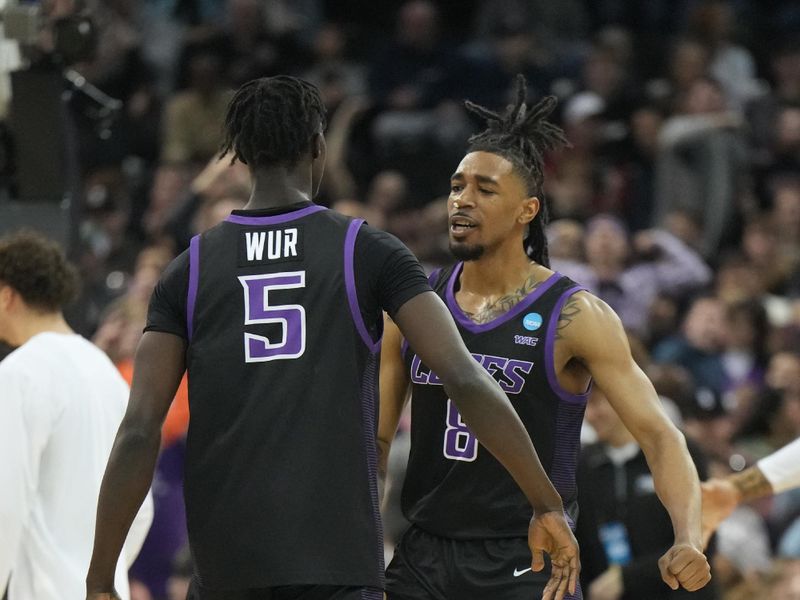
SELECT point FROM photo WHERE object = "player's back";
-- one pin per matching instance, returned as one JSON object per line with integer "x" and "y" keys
{"x": 280, "y": 470}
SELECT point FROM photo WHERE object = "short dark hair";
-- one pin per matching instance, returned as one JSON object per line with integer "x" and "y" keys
{"x": 272, "y": 120}
{"x": 522, "y": 135}
{"x": 38, "y": 270}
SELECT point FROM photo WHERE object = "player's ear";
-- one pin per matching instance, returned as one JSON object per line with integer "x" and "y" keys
{"x": 530, "y": 208}
{"x": 317, "y": 146}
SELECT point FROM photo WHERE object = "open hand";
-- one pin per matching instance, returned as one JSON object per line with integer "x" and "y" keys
{"x": 684, "y": 565}
{"x": 549, "y": 532}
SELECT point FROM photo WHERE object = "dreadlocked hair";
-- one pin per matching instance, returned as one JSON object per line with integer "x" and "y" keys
{"x": 272, "y": 121}
{"x": 522, "y": 135}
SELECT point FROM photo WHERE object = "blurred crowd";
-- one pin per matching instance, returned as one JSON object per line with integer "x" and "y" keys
{"x": 678, "y": 201}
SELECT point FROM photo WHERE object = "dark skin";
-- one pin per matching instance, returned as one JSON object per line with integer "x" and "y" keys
{"x": 423, "y": 320}
{"x": 488, "y": 194}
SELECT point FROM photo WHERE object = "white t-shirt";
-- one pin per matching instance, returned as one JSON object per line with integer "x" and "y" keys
{"x": 61, "y": 402}
{"x": 782, "y": 467}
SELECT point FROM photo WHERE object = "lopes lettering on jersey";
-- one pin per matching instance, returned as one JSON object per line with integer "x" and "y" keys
{"x": 267, "y": 246}
{"x": 509, "y": 372}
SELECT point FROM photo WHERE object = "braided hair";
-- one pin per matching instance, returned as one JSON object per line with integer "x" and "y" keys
{"x": 522, "y": 135}
{"x": 272, "y": 121}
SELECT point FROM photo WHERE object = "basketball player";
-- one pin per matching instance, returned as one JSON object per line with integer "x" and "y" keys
{"x": 276, "y": 314}
{"x": 61, "y": 400}
{"x": 545, "y": 340}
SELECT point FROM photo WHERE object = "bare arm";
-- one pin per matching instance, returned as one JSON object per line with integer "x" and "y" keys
{"x": 596, "y": 338}
{"x": 158, "y": 368}
{"x": 394, "y": 389}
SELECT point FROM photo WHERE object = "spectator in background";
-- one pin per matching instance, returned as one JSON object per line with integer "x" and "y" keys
{"x": 712, "y": 23}
{"x": 415, "y": 70}
{"x": 698, "y": 348}
{"x": 702, "y": 164}
{"x": 193, "y": 122}
{"x": 629, "y": 274}
{"x": 623, "y": 528}
{"x": 744, "y": 358}
{"x": 62, "y": 400}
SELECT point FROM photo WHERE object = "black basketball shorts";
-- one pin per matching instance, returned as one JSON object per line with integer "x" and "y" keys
{"x": 428, "y": 567}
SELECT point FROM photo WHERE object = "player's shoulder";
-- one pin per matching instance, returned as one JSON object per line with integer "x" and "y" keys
{"x": 585, "y": 317}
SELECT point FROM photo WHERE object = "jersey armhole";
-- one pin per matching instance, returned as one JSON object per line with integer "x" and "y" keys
{"x": 194, "y": 274}
{"x": 350, "y": 285}
{"x": 550, "y": 349}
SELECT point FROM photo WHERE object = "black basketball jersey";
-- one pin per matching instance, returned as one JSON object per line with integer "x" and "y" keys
{"x": 454, "y": 487}
{"x": 280, "y": 480}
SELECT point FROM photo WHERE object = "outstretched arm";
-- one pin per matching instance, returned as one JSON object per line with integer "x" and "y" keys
{"x": 431, "y": 332}
{"x": 158, "y": 368}
{"x": 596, "y": 338}
{"x": 778, "y": 472}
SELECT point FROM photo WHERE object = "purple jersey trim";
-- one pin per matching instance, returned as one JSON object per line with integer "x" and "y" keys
{"x": 194, "y": 272}
{"x": 474, "y": 327}
{"x": 275, "y": 219}
{"x": 549, "y": 351}
{"x": 350, "y": 284}
{"x": 369, "y": 424}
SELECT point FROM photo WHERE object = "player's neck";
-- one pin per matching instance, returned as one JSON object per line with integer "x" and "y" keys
{"x": 275, "y": 187}
{"x": 34, "y": 323}
{"x": 497, "y": 272}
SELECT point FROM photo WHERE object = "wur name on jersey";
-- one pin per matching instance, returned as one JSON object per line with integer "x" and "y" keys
{"x": 259, "y": 247}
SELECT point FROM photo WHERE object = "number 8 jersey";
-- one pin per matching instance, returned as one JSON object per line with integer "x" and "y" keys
{"x": 280, "y": 472}
{"x": 454, "y": 487}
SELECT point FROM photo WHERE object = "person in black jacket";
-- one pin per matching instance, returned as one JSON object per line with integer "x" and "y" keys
{"x": 622, "y": 527}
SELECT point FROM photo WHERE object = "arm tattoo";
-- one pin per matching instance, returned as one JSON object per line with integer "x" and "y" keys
{"x": 568, "y": 314}
{"x": 502, "y": 305}
{"x": 751, "y": 484}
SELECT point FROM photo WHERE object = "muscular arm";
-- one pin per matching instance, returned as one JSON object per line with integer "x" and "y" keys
{"x": 394, "y": 383}
{"x": 595, "y": 337}
{"x": 425, "y": 322}
{"x": 158, "y": 367}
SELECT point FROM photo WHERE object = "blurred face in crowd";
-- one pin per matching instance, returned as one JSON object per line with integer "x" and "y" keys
{"x": 493, "y": 207}
{"x": 704, "y": 97}
{"x": 740, "y": 331}
{"x": 605, "y": 421}
{"x": 689, "y": 63}
{"x": 786, "y": 209}
{"x": 783, "y": 372}
{"x": 759, "y": 242}
{"x": 565, "y": 239}
{"x": 606, "y": 242}
{"x": 704, "y": 326}
{"x": 645, "y": 127}
{"x": 603, "y": 74}
{"x": 418, "y": 26}
{"x": 787, "y": 130}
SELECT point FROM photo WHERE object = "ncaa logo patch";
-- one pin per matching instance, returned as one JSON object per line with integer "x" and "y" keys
{"x": 532, "y": 321}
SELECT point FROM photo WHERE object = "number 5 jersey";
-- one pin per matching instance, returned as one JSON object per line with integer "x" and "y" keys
{"x": 454, "y": 487}
{"x": 282, "y": 314}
